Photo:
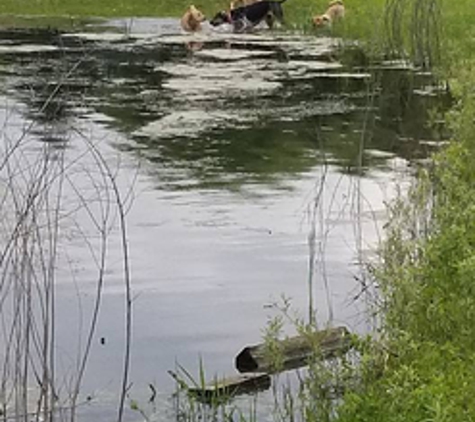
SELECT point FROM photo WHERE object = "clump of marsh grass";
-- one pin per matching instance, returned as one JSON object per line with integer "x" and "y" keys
{"x": 412, "y": 29}
{"x": 43, "y": 205}
{"x": 421, "y": 366}
{"x": 310, "y": 393}
{"x": 190, "y": 406}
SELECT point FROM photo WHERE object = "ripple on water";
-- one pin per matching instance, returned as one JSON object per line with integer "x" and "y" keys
{"x": 190, "y": 123}
{"x": 202, "y": 81}
{"x": 26, "y": 48}
{"x": 230, "y": 54}
{"x": 194, "y": 122}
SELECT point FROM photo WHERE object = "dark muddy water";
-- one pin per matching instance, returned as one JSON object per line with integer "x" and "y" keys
{"x": 221, "y": 145}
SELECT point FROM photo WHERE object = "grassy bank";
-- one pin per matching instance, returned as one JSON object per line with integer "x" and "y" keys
{"x": 423, "y": 368}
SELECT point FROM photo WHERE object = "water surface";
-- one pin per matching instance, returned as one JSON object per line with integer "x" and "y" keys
{"x": 229, "y": 150}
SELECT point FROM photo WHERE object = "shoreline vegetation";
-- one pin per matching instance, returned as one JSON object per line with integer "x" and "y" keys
{"x": 420, "y": 364}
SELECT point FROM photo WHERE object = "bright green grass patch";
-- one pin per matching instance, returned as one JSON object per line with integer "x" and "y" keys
{"x": 435, "y": 383}
{"x": 111, "y": 8}
{"x": 458, "y": 34}
{"x": 424, "y": 370}
{"x": 90, "y": 7}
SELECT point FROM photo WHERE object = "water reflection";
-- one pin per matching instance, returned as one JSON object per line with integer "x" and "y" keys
{"x": 242, "y": 108}
{"x": 232, "y": 138}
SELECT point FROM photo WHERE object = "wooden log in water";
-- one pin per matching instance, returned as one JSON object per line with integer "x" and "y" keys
{"x": 294, "y": 352}
{"x": 225, "y": 388}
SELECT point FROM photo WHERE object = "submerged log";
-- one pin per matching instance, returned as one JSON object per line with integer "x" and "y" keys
{"x": 222, "y": 389}
{"x": 294, "y": 352}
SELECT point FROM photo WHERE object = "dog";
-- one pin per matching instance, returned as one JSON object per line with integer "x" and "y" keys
{"x": 247, "y": 17}
{"x": 192, "y": 19}
{"x": 235, "y": 4}
{"x": 335, "y": 12}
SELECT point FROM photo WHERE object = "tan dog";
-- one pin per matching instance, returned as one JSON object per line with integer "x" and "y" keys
{"x": 191, "y": 20}
{"x": 241, "y": 3}
{"x": 335, "y": 12}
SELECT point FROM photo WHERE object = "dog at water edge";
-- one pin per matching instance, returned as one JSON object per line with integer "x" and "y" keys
{"x": 247, "y": 17}
{"x": 236, "y": 4}
{"x": 335, "y": 12}
{"x": 192, "y": 19}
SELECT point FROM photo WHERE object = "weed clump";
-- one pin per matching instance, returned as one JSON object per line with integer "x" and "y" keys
{"x": 427, "y": 272}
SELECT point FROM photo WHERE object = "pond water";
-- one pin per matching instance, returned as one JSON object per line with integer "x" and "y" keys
{"x": 230, "y": 151}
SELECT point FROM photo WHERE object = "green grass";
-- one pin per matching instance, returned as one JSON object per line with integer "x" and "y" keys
{"x": 425, "y": 372}
{"x": 458, "y": 35}
{"x": 108, "y": 7}
{"x": 424, "y": 368}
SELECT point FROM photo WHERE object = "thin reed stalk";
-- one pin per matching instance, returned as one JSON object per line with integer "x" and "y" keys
{"x": 412, "y": 30}
{"x": 41, "y": 198}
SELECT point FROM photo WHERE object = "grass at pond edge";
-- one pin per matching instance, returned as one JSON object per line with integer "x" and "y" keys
{"x": 425, "y": 369}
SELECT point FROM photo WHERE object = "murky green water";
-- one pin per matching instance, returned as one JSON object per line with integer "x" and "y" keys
{"x": 221, "y": 145}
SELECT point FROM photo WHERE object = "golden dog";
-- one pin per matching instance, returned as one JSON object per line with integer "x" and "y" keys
{"x": 335, "y": 11}
{"x": 191, "y": 20}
